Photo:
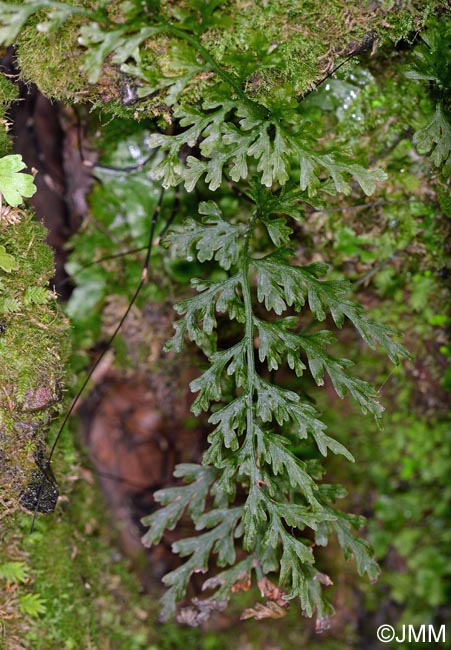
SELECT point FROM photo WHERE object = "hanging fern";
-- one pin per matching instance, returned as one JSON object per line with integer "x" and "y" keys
{"x": 254, "y": 432}
{"x": 256, "y": 504}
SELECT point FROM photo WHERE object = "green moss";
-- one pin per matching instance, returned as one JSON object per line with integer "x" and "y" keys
{"x": 89, "y": 602}
{"x": 303, "y": 40}
{"x": 94, "y": 601}
{"x": 8, "y": 92}
{"x": 285, "y": 41}
{"x": 53, "y": 61}
{"x": 33, "y": 348}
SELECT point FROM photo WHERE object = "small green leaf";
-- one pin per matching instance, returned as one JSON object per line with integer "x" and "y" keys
{"x": 325, "y": 442}
{"x": 355, "y": 546}
{"x": 13, "y": 185}
{"x": 7, "y": 262}
{"x": 177, "y": 499}
{"x": 435, "y": 138}
{"x": 214, "y": 238}
{"x": 32, "y": 605}
{"x": 14, "y": 571}
{"x": 36, "y": 296}
{"x": 278, "y": 231}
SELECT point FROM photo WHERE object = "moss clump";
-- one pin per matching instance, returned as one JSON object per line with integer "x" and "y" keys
{"x": 33, "y": 349}
{"x": 53, "y": 61}
{"x": 302, "y": 41}
{"x": 8, "y": 92}
{"x": 286, "y": 42}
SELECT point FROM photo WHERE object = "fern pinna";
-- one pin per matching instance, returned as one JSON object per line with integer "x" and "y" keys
{"x": 256, "y": 505}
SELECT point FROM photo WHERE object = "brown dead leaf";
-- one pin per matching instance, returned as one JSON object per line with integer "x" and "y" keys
{"x": 323, "y": 578}
{"x": 270, "y": 609}
{"x": 271, "y": 591}
{"x": 242, "y": 583}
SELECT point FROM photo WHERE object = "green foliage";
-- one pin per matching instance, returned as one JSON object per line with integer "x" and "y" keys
{"x": 254, "y": 497}
{"x": 31, "y": 605}
{"x": 435, "y": 138}
{"x": 37, "y": 296}
{"x": 8, "y": 92}
{"x": 254, "y": 430}
{"x": 274, "y": 138}
{"x": 68, "y": 572}
{"x": 431, "y": 61}
{"x": 15, "y": 16}
{"x": 14, "y": 571}
{"x": 432, "y": 65}
{"x": 399, "y": 254}
{"x": 7, "y": 261}
{"x": 108, "y": 598}
{"x": 13, "y": 185}
{"x": 149, "y": 48}
{"x": 425, "y": 549}
{"x": 121, "y": 203}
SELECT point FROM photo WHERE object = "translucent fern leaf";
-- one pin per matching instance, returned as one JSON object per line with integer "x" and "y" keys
{"x": 435, "y": 138}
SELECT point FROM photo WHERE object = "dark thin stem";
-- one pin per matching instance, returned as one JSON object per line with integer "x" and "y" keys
{"x": 205, "y": 54}
{"x": 300, "y": 98}
{"x": 131, "y": 251}
{"x": 97, "y": 165}
{"x": 174, "y": 211}
{"x": 372, "y": 204}
{"x": 76, "y": 399}
{"x": 113, "y": 256}
{"x": 240, "y": 194}
{"x": 130, "y": 168}
{"x": 120, "y": 479}
{"x": 367, "y": 276}
{"x": 407, "y": 134}
{"x": 329, "y": 74}
{"x": 102, "y": 228}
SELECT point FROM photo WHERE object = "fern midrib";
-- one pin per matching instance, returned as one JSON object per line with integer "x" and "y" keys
{"x": 250, "y": 352}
